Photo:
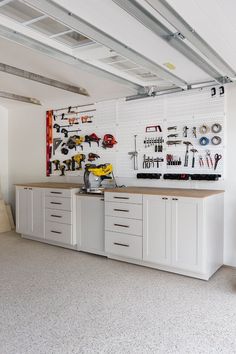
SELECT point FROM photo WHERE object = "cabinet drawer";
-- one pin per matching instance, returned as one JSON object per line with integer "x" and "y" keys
{"x": 58, "y": 232}
{"x": 123, "y": 225}
{"x": 124, "y": 210}
{"x": 124, "y": 198}
{"x": 61, "y": 216}
{"x": 123, "y": 245}
{"x": 66, "y": 193}
{"x": 58, "y": 203}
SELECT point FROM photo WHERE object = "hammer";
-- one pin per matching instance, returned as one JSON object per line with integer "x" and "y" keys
{"x": 187, "y": 143}
{"x": 193, "y": 160}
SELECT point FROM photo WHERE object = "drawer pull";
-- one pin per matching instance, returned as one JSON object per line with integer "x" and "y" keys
{"x": 56, "y": 192}
{"x": 165, "y": 198}
{"x": 56, "y": 216}
{"x": 124, "y": 210}
{"x": 120, "y": 244}
{"x": 174, "y": 198}
{"x": 102, "y": 199}
{"x": 121, "y": 197}
{"x": 121, "y": 225}
{"x": 56, "y": 203}
{"x": 56, "y": 232}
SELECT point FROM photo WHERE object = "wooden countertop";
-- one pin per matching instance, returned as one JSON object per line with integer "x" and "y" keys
{"x": 191, "y": 193}
{"x": 56, "y": 185}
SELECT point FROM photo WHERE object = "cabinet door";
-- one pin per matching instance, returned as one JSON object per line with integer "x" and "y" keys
{"x": 22, "y": 210}
{"x": 37, "y": 212}
{"x": 90, "y": 227}
{"x": 156, "y": 223}
{"x": 186, "y": 233}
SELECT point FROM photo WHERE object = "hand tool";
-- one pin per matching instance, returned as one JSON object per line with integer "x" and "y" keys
{"x": 62, "y": 169}
{"x": 68, "y": 164}
{"x": 72, "y": 163}
{"x": 193, "y": 159}
{"x": 93, "y": 157}
{"x": 204, "y": 141}
{"x": 194, "y": 132}
{"x": 173, "y": 160}
{"x": 172, "y": 135}
{"x": 218, "y": 157}
{"x": 57, "y": 164}
{"x": 216, "y": 128}
{"x": 153, "y": 128}
{"x": 201, "y": 162}
{"x": 204, "y": 129}
{"x": 86, "y": 119}
{"x": 209, "y": 158}
{"x": 185, "y": 131}
{"x": 173, "y": 142}
{"x": 66, "y": 132}
{"x": 187, "y": 143}
{"x": 79, "y": 158}
{"x": 59, "y": 127}
{"x": 148, "y": 161}
{"x": 216, "y": 140}
{"x": 56, "y": 144}
{"x": 134, "y": 154}
{"x": 160, "y": 141}
{"x": 172, "y": 128}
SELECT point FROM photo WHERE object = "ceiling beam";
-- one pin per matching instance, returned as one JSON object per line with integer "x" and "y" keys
{"x": 151, "y": 22}
{"x": 12, "y": 96}
{"x": 56, "y": 54}
{"x": 87, "y": 29}
{"x": 167, "y": 12}
{"x": 12, "y": 70}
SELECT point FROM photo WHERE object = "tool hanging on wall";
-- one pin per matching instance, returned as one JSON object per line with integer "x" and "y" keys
{"x": 93, "y": 157}
{"x": 59, "y": 127}
{"x": 185, "y": 131}
{"x": 149, "y": 162}
{"x": 209, "y": 159}
{"x": 134, "y": 154}
{"x": 172, "y": 128}
{"x": 204, "y": 141}
{"x": 193, "y": 158}
{"x": 108, "y": 141}
{"x": 62, "y": 169}
{"x": 66, "y": 132}
{"x": 194, "y": 132}
{"x": 173, "y": 142}
{"x": 216, "y": 128}
{"x": 216, "y": 140}
{"x": 172, "y": 160}
{"x": 68, "y": 164}
{"x": 56, "y": 143}
{"x": 217, "y": 157}
{"x": 86, "y": 119}
{"x": 187, "y": 143}
{"x": 204, "y": 129}
{"x": 172, "y": 135}
{"x": 57, "y": 165}
{"x": 79, "y": 158}
{"x": 153, "y": 129}
{"x": 92, "y": 138}
{"x": 201, "y": 162}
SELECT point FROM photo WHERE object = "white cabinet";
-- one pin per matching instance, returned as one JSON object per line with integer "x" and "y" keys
{"x": 29, "y": 211}
{"x": 157, "y": 229}
{"x": 90, "y": 223}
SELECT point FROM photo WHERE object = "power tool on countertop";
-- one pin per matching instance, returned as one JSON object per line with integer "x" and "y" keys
{"x": 79, "y": 158}
{"x": 94, "y": 175}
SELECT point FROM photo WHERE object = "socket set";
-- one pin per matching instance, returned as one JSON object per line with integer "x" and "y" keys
{"x": 156, "y": 142}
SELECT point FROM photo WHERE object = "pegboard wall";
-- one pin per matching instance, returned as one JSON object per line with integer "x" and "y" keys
{"x": 191, "y": 109}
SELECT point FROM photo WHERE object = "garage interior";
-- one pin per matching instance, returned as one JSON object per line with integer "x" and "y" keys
{"x": 117, "y": 203}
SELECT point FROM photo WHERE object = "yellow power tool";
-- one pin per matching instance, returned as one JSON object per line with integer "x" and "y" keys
{"x": 95, "y": 174}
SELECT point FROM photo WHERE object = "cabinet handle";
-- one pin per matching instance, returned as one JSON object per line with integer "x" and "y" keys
{"x": 30, "y": 189}
{"x": 165, "y": 198}
{"x": 124, "y": 210}
{"x": 174, "y": 198}
{"x": 121, "y": 197}
{"x": 56, "y": 203}
{"x": 56, "y": 192}
{"x": 102, "y": 199}
{"x": 121, "y": 225}
{"x": 25, "y": 188}
{"x": 56, "y": 216}
{"x": 120, "y": 244}
{"x": 56, "y": 232}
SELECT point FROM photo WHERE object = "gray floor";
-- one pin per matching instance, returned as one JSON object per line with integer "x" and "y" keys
{"x": 54, "y": 300}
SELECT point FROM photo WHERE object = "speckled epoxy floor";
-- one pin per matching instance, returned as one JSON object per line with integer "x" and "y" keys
{"x": 54, "y": 300}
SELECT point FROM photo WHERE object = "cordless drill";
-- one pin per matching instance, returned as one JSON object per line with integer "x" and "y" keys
{"x": 68, "y": 164}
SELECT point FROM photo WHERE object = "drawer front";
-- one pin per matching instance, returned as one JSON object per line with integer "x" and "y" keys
{"x": 61, "y": 216}
{"x": 123, "y": 225}
{"x": 58, "y": 232}
{"x": 124, "y": 198}
{"x": 123, "y": 245}
{"x": 66, "y": 193}
{"x": 124, "y": 210}
{"x": 58, "y": 203}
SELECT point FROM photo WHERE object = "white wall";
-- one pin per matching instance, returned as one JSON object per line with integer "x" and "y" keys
{"x": 4, "y": 152}
{"x": 27, "y": 159}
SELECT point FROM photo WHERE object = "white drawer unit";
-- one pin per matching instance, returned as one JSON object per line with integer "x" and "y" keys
{"x": 124, "y": 210}
{"x": 58, "y": 203}
{"x": 60, "y": 216}
{"x": 65, "y": 193}
{"x": 124, "y": 225}
{"x": 127, "y": 246}
{"x": 61, "y": 233}
{"x": 124, "y": 198}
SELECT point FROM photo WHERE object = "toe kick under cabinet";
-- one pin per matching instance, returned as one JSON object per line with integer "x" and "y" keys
{"x": 177, "y": 234}
{"x": 47, "y": 214}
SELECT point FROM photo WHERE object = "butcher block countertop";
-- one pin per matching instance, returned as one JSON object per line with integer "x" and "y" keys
{"x": 191, "y": 193}
{"x": 50, "y": 185}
